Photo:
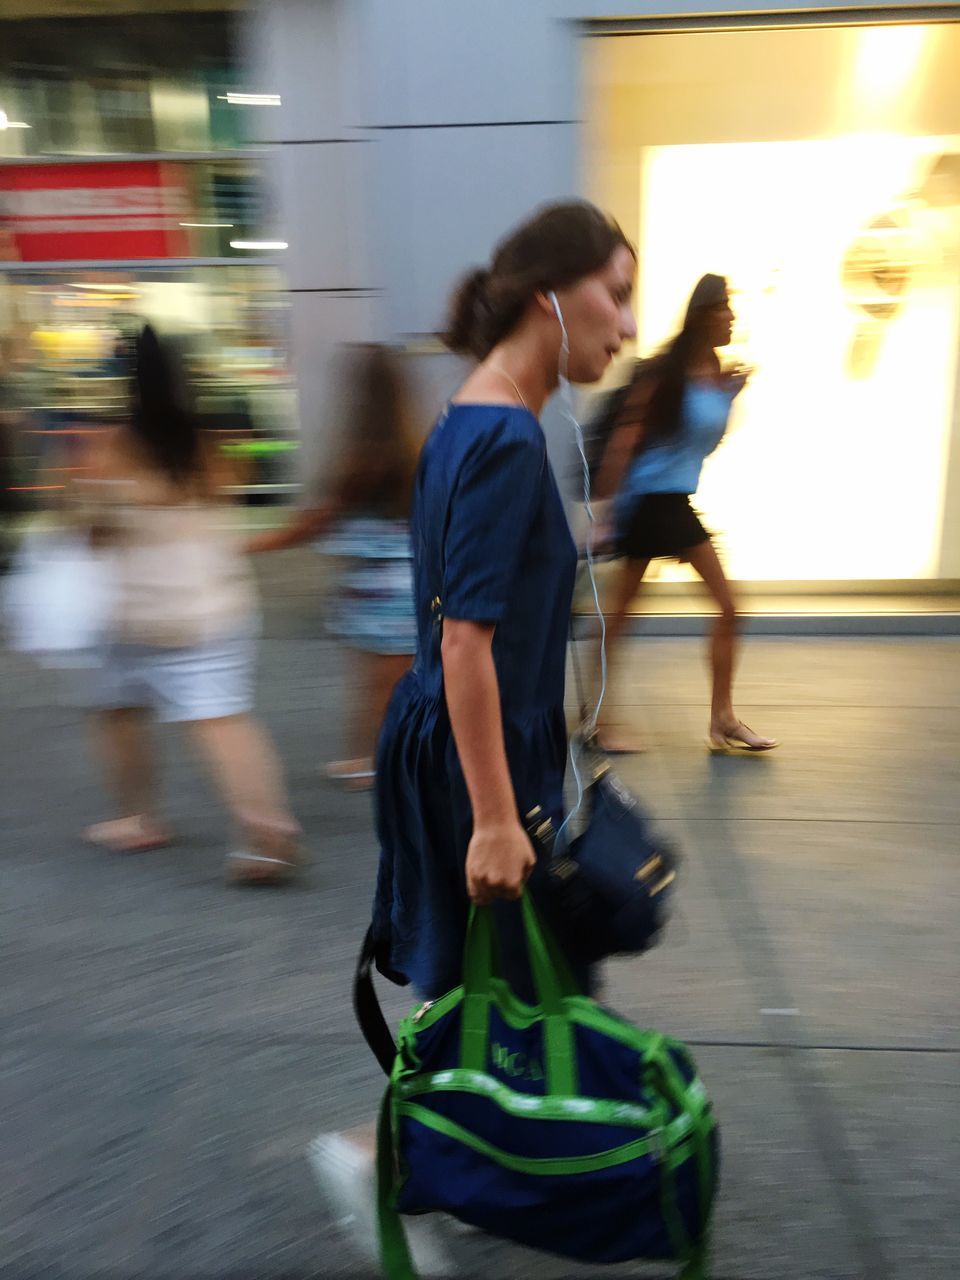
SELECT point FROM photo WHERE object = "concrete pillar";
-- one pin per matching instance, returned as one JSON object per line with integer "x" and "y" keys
{"x": 318, "y": 179}
{"x": 412, "y": 134}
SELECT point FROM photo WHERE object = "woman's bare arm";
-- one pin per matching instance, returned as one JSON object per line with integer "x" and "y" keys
{"x": 309, "y": 523}
{"x": 625, "y": 439}
{"x": 500, "y": 856}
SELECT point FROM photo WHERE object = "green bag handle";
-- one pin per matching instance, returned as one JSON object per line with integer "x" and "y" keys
{"x": 552, "y": 982}
{"x": 394, "y": 1250}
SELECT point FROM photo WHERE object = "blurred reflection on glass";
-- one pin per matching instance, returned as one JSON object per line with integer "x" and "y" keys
{"x": 69, "y": 336}
{"x": 102, "y": 85}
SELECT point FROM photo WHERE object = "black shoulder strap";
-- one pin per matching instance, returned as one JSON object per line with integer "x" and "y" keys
{"x": 366, "y": 1006}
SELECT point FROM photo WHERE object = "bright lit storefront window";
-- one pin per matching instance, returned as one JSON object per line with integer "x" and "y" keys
{"x": 129, "y": 193}
{"x": 826, "y": 187}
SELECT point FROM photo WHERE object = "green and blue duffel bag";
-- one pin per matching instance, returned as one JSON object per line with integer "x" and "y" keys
{"x": 556, "y": 1125}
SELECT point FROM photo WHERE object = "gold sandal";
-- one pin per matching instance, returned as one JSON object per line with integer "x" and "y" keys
{"x": 731, "y": 741}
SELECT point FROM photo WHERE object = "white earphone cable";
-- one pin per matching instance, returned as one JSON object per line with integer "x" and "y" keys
{"x": 589, "y": 726}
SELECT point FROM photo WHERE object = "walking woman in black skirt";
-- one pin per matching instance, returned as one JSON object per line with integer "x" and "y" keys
{"x": 674, "y": 415}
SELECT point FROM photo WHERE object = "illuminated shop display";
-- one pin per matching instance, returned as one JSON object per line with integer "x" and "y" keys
{"x": 819, "y": 170}
{"x": 847, "y": 298}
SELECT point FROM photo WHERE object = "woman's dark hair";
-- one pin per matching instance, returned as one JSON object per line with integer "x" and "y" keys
{"x": 669, "y": 368}
{"x": 378, "y": 458}
{"x": 160, "y": 418}
{"x": 559, "y": 245}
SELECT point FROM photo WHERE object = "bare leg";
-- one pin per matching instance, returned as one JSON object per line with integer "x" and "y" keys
{"x": 125, "y": 751}
{"x": 383, "y": 670}
{"x": 245, "y": 765}
{"x": 247, "y": 770}
{"x": 127, "y": 757}
{"x": 375, "y": 676}
{"x": 626, "y": 587}
{"x": 723, "y": 645}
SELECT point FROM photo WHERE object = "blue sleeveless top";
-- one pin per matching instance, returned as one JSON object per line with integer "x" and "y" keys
{"x": 673, "y": 465}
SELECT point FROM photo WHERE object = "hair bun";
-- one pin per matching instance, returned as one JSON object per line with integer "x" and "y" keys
{"x": 468, "y": 310}
{"x": 560, "y": 245}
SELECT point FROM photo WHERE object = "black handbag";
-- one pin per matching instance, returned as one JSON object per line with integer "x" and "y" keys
{"x": 609, "y": 891}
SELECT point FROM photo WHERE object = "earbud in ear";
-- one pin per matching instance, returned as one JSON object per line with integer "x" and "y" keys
{"x": 564, "y": 348}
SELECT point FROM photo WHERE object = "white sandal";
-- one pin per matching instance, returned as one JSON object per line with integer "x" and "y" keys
{"x": 348, "y": 774}
{"x": 245, "y": 866}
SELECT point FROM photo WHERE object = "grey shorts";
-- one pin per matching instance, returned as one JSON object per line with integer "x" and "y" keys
{"x": 201, "y": 682}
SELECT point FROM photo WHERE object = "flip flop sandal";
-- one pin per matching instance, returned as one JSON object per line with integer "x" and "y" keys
{"x": 728, "y": 744}
{"x": 243, "y": 867}
{"x": 342, "y": 774}
{"x": 126, "y": 835}
{"x": 256, "y": 866}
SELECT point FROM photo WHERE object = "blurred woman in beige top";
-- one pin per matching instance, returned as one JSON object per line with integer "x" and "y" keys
{"x": 181, "y": 643}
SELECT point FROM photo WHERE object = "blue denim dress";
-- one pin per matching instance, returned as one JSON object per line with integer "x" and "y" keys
{"x": 491, "y": 544}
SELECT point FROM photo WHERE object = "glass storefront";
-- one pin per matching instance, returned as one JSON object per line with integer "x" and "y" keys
{"x": 128, "y": 194}
{"x": 121, "y": 85}
{"x": 819, "y": 170}
{"x": 65, "y": 336}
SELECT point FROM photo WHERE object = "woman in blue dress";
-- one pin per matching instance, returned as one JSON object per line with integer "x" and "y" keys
{"x": 475, "y": 734}
{"x": 673, "y": 417}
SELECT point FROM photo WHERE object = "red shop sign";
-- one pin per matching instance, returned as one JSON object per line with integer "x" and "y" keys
{"x": 65, "y": 212}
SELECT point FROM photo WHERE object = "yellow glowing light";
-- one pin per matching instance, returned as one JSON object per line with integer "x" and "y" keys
{"x": 99, "y": 300}
{"x": 826, "y": 473}
{"x": 114, "y": 290}
{"x": 887, "y": 60}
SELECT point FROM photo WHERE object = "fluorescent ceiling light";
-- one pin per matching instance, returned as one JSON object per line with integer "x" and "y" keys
{"x": 7, "y": 123}
{"x": 266, "y": 245}
{"x": 250, "y": 99}
{"x": 207, "y": 224}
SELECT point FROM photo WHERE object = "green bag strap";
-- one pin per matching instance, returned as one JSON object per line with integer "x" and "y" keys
{"x": 394, "y": 1251}
{"x": 551, "y": 986}
{"x": 695, "y": 1268}
{"x": 569, "y": 986}
{"x": 560, "y": 1067}
{"x": 477, "y": 973}
{"x": 694, "y": 1256}
{"x": 395, "y": 1258}
{"x": 703, "y": 1124}
{"x": 546, "y": 960}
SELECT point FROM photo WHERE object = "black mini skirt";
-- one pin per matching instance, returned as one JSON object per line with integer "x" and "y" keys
{"x": 658, "y": 525}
